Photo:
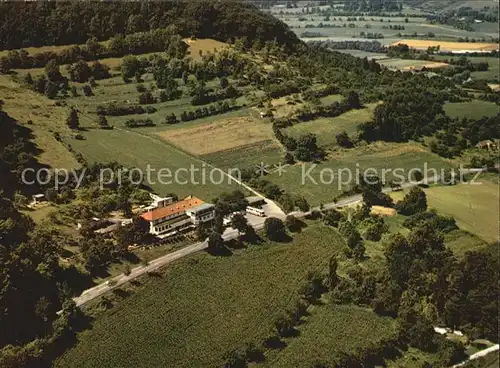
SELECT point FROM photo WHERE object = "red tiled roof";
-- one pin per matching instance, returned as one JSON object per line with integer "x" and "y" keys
{"x": 172, "y": 209}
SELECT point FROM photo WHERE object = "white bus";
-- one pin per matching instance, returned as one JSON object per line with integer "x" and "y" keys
{"x": 256, "y": 211}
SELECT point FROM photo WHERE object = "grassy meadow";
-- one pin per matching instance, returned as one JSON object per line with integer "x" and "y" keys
{"x": 134, "y": 149}
{"x": 474, "y": 109}
{"x": 326, "y": 129}
{"x": 43, "y": 117}
{"x": 204, "y": 306}
{"x": 377, "y": 156}
{"x": 475, "y": 207}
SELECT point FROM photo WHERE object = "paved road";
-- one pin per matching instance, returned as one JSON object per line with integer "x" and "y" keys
{"x": 99, "y": 290}
{"x": 257, "y": 222}
{"x": 479, "y": 354}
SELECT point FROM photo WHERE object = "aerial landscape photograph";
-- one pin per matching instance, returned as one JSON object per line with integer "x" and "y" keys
{"x": 249, "y": 183}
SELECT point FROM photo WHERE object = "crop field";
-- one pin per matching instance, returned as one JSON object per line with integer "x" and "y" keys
{"x": 327, "y": 128}
{"x": 402, "y": 64}
{"x": 331, "y": 330}
{"x": 449, "y": 46}
{"x": 204, "y": 306}
{"x": 339, "y": 28}
{"x": 43, "y": 117}
{"x": 134, "y": 149}
{"x": 322, "y": 188}
{"x": 247, "y": 156}
{"x": 471, "y": 205}
{"x": 474, "y": 109}
{"x": 224, "y": 134}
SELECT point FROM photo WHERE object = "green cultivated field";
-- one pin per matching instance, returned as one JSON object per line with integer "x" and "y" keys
{"x": 377, "y": 156}
{"x": 137, "y": 150}
{"x": 375, "y": 25}
{"x": 204, "y": 306}
{"x": 327, "y": 128}
{"x": 474, "y": 109}
{"x": 331, "y": 330}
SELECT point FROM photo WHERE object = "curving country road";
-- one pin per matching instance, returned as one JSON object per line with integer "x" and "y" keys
{"x": 271, "y": 209}
{"x": 255, "y": 221}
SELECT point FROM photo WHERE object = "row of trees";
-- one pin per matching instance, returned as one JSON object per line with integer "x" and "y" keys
{"x": 220, "y": 107}
{"x": 113, "y": 109}
{"x": 137, "y": 123}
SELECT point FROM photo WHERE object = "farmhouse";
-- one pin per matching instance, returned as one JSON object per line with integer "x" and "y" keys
{"x": 487, "y": 144}
{"x": 167, "y": 218}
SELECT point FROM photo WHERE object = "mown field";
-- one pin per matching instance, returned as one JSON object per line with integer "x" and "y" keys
{"x": 475, "y": 207}
{"x": 326, "y": 129}
{"x": 474, "y": 109}
{"x": 375, "y": 157}
{"x": 204, "y": 306}
{"x": 134, "y": 149}
{"x": 220, "y": 135}
{"x": 329, "y": 331}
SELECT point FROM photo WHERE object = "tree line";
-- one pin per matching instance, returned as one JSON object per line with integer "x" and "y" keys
{"x": 63, "y": 23}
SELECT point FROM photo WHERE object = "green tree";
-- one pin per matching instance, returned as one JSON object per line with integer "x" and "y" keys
{"x": 52, "y": 71}
{"x": 274, "y": 229}
{"x": 239, "y": 222}
{"x": 332, "y": 217}
{"x": 343, "y": 140}
{"x": 72, "y": 120}
{"x": 215, "y": 243}
{"x": 332, "y": 277}
{"x": 103, "y": 121}
{"x": 417, "y": 175}
{"x": 413, "y": 202}
{"x": 292, "y": 223}
{"x": 353, "y": 100}
{"x": 287, "y": 203}
{"x": 130, "y": 66}
{"x": 224, "y": 83}
{"x": 302, "y": 204}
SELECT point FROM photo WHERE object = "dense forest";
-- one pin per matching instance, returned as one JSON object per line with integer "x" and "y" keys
{"x": 24, "y": 24}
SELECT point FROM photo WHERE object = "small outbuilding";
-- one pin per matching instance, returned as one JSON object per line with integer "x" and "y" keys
{"x": 37, "y": 198}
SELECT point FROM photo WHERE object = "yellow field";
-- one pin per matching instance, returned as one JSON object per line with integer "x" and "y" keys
{"x": 449, "y": 46}
{"x": 205, "y": 45}
{"x": 428, "y": 66}
{"x": 219, "y": 136}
